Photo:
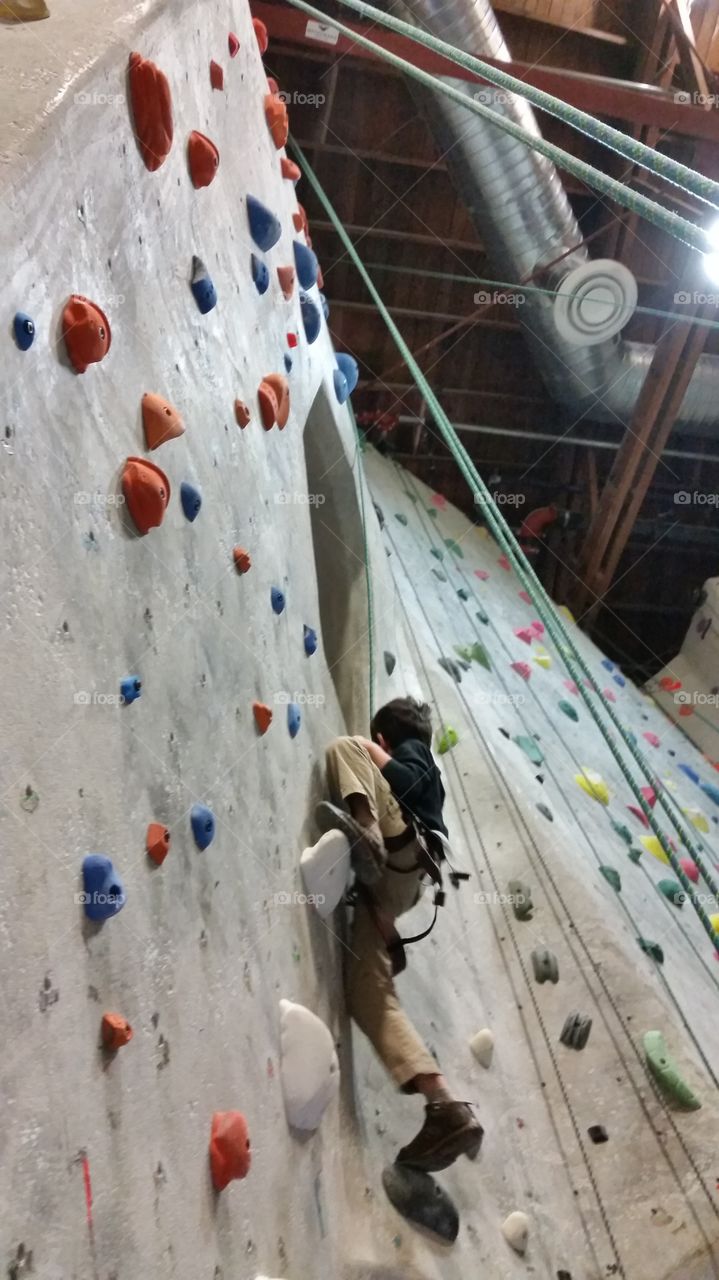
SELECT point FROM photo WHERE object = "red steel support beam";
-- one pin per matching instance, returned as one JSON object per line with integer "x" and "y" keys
{"x": 617, "y": 99}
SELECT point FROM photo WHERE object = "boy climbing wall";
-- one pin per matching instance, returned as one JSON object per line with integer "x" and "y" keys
{"x": 391, "y": 789}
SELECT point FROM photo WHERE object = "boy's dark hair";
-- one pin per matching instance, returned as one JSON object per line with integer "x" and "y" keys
{"x": 400, "y": 719}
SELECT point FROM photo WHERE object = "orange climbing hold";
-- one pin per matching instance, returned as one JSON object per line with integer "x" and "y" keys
{"x": 290, "y": 170}
{"x": 147, "y": 493}
{"x": 274, "y": 398}
{"x": 230, "y": 1156}
{"x": 272, "y": 85}
{"x": 242, "y": 560}
{"x": 669, "y": 685}
{"x": 320, "y": 281}
{"x": 686, "y": 709}
{"x": 203, "y": 159}
{"x": 116, "y": 1031}
{"x": 242, "y": 413}
{"x": 160, "y": 420}
{"x": 233, "y": 44}
{"x": 157, "y": 842}
{"x": 217, "y": 75}
{"x": 263, "y": 716}
{"x": 286, "y": 277}
{"x": 261, "y": 34}
{"x": 277, "y": 121}
{"x": 151, "y": 110}
{"x": 86, "y": 331}
{"x": 299, "y": 220}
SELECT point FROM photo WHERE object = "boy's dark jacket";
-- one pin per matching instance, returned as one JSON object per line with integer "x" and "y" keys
{"x": 417, "y": 783}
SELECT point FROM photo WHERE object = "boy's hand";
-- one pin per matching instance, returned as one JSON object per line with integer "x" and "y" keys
{"x": 376, "y": 753}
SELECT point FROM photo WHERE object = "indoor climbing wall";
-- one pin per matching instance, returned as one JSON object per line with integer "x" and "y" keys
{"x": 198, "y": 596}
{"x": 687, "y": 689}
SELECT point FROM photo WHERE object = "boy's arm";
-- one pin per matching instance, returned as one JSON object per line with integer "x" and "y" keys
{"x": 375, "y": 752}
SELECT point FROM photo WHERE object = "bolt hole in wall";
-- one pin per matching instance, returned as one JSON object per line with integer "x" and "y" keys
{"x": 338, "y": 545}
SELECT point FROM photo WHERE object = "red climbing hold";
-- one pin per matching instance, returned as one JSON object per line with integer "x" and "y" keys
{"x": 233, "y": 44}
{"x": 263, "y": 716}
{"x": 116, "y": 1031}
{"x": 217, "y": 75}
{"x": 86, "y": 331}
{"x": 669, "y": 685}
{"x": 157, "y": 842}
{"x": 160, "y": 420}
{"x": 503, "y": 562}
{"x": 481, "y": 574}
{"x": 147, "y": 493}
{"x": 230, "y": 1156}
{"x": 650, "y": 796}
{"x": 690, "y": 869}
{"x": 242, "y": 560}
{"x": 523, "y": 595}
{"x": 290, "y": 170}
{"x": 292, "y": 340}
{"x": 522, "y": 669}
{"x": 638, "y": 813}
{"x": 261, "y": 33}
{"x": 525, "y": 633}
{"x": 203, "y": 159}
{"x": 286, "y": 277}
{"x": 686, "y": 710}
{"x": 151, "y": 110}
{"x": 242, "y": 413}
{"x": 277, "y": 121}
{"x": 274, "y": 398}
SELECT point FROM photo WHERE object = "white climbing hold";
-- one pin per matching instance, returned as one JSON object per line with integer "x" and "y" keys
{"x": 325, "y": 868}
{"x": 310, "y": 1070}
{"x": 482, "y": 1046}
{"x": 515, "y": 1230}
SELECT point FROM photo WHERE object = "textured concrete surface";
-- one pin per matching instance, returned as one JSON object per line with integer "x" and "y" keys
{"x": 695, "y": 706}
{"x": 207, "y": 945}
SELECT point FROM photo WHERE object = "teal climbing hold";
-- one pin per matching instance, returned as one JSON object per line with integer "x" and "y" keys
{"x": 447, "y": 740}
{"x": 412, "y": 496}
{"x": 463, "y": 593}
{"x": 622, "y": 831}
{"x": 635, "y": 855}
{"x": 568, "y": 709}
{"x": 431, "y": 513}
{"x": 530, "y": 748}
{"x": 454, "y": 548}
{"x": 673, "y": 892}
{"x": 666, "y": 1072}
{"x": 612, "y": 877}
{"x": 438, "y": 574}
{"x": 435, "y": 551}
{"x": 482, "y": 617}
{"x": 521, "y": 898}
{"x": 652, "y": 949}
{"x": 398, "y": 516}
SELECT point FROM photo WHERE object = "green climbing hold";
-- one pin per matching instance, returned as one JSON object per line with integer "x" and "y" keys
{"x": 464, "y": 651}
{"x": 432, "y": 513}
{"x": 530, "y": 748}
{"x": 454, "y": 547}
{"x": 652, "y": 949}
{"x": 521, "y": 898}
{"x": 612, "y": 877}
{"x": 412, "y": 496}
{"x": 673, "y": 892}
{"x": 463, "y": 593}
{"x": 568, "y": 709}
{"x": 482, "y": 617}
{"x": 435, "y": 551}
{"x": 666, "y": 1072}
{"x": 447, "y": 740}
{"x": 635, "y": 854}
{"x": 479, "y": 654}
{"x": 622, "y": 831}
{"x": 402, "y": 518}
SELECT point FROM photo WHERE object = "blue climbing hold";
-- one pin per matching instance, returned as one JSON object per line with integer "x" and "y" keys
{"x": 341, "y": 388}
{"x": 310, "y": 636}
{"x": 278, "y": 599}
{"x": 265, "y": 228}
{"x": 130, "y": 688}
{"x": 607, "y": 664}
{"x": 691, "y": 774}
{"x": 294, "y": 719}
{"x": 24, "y": 329}
{"x": 306, "y": 264}
{"x": 260, "y": 273}
{"x": 710, "y": 790}
{"x": 202, "y": 820}
{"x": 288, "y": 363}
{"x": 203, "y": 290}
{"x": 325, "y": 306}
{"x": 618, "y": 678}
{"x": 311, "y": 318}
{"x": 103, "y": 891}
{"x": 191, "y": 500}
{"x": 348, "y": 366}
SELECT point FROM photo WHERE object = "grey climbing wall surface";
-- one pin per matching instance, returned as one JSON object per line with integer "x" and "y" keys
{"x": 105, "y": 1169}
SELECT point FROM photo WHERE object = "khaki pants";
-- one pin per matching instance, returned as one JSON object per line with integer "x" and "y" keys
{"x": 371, "y": 996}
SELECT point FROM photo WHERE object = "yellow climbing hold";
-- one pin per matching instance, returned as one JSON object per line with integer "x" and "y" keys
{"x": 697, "y": 817}
{"x": 593, "y": 784}
{"x": 563, "y": 608}
{"x": 714, "y": 922}
{"x": 542, "y": 658}
{"x": 652, "y": 845}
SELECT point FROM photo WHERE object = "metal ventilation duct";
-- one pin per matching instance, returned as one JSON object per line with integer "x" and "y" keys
{"x": 517, "y": 202}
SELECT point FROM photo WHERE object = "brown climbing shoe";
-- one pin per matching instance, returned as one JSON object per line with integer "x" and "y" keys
{"x": 367, "y": 853}
{"x": 450, "y": 1130}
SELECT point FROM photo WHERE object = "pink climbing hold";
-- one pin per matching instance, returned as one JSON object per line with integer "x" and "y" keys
{"x": 523, "y": 595}
{"x": 537, "y": 628}
{"x": 481, "y": 574}
{"x": 650, "y": 796}
{"x": 571, "y": 686}
{"x": 522, "y": 669}
{"x": 651, "y": 738}
{"x": 525, "y": 633}
{"x": 609, "y": 695}
{"x": 438, "y": 500}
{"x": 638, "y": 813}
{"x": 503, "y": 562}
{"x": 690, "y": 869}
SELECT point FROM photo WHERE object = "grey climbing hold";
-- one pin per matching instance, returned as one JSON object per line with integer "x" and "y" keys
{"x": 652, "y": 949}
{"x": 515, "y": 1230}
{"x": 544, "y": 963}
{"x": 612, "y": 877}
{"x": 545, "y": 811}
{"x": 598, "y": 1133}
{"x": 390, "y": 662}
{"x": 530, "y": 748}
{"x": 482, "y": 617}
{"x": 666, "y": 1072}
{"x": 673, "y": 892}
{"x": 463, "y": 593}
{"x": 568, "y": 709}
{"x": 452, "y": 668}
{"x": 421, "y": 1200}
{"x": 521, "y": 899}
{"x": 438, "y": 574}
{"x": 29, "y": 800}
{"x": 575, "y": 1031}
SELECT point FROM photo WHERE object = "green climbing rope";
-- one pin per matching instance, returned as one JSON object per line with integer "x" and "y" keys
{"x": 671, "y": 223}
{"x": 553, "y": 622}
{"x": 638, "y": 153}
